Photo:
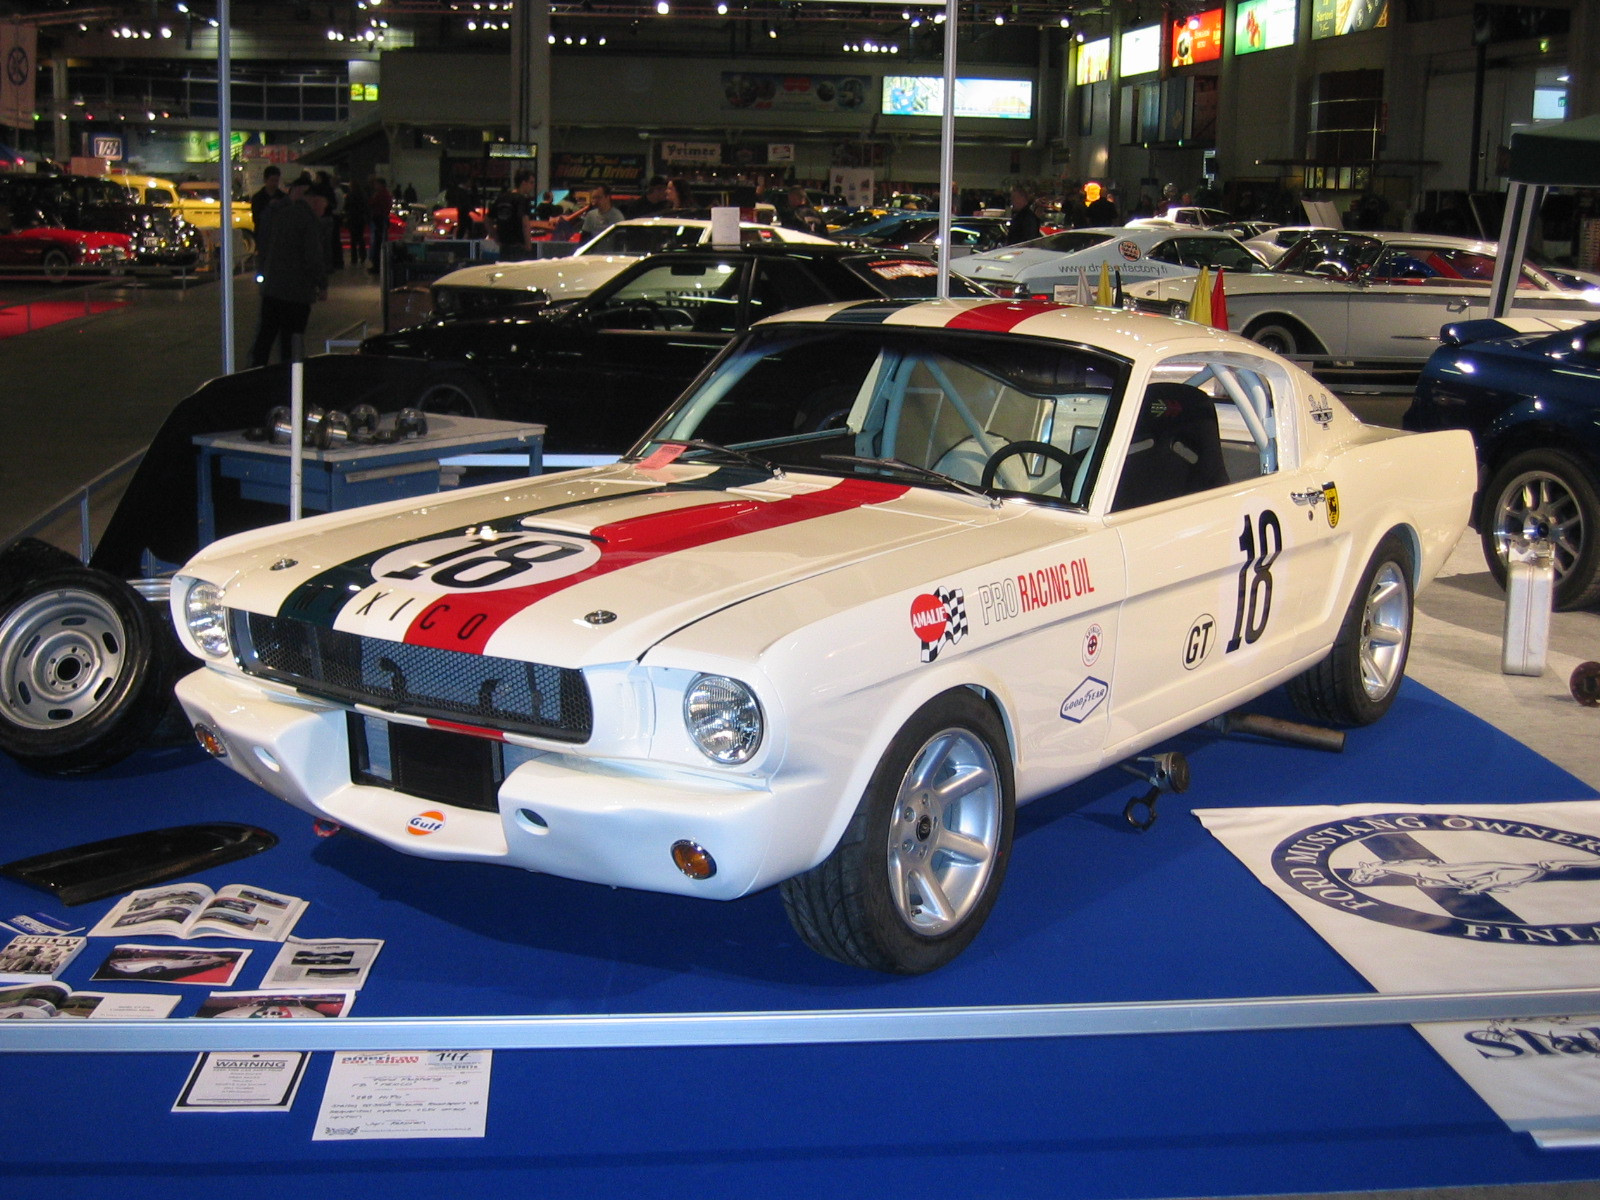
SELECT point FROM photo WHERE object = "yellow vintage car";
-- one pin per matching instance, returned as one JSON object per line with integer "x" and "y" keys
{"x": 197, "y": 201}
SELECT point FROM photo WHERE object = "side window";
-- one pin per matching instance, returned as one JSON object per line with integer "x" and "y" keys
{"x": 700, "y": 295}
{"x": 158, "y": 196}
{"x": 1199, "y": 425}
{"x": 781, "y": 286}
{"x": 1167, "y": 252}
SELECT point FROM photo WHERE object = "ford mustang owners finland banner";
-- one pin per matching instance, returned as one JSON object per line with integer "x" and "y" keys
{"x": 1468, "y": 897}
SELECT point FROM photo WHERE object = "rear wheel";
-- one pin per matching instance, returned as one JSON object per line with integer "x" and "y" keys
{"x": 456, "y": 394}
{"x": 1546, "y": 494}
{"x": 918, "y": 869}
{"x": 1275, "y": 335}
{"x": 1358, "y": 681}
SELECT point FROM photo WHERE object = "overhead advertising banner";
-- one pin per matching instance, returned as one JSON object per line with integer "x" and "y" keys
{"x": 702, "y": 154}
{"x": 18, "y": 69}
{"x": 1333, "y": 18}
{"x": 923, "y": 96}
{"x": 1265, "y": 25}
{"x": 201, "y": 145}
{"x": 772, "y": 91}
{"x": 1141, "y": 51}
{"x": 1457, "y": 897}
{"x": 578, "y": 168}
{"x": 1197, "y": 39}
{"x": 1094, "y": 62}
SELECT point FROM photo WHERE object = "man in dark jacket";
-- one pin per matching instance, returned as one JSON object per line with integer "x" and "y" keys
{"x": 292, "y": 248}
{"x": 1024, "y": 226}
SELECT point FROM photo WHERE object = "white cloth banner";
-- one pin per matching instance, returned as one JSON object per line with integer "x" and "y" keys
{"x": 1457, "y": 897}
{"x": 18, "y": 63}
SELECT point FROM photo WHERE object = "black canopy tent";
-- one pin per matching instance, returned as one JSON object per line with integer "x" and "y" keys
{"x": 1552, "y": 154}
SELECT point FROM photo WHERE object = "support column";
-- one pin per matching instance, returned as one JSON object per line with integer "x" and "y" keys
{"x": 530, "y": 81}
{"x": 61, "y": 142}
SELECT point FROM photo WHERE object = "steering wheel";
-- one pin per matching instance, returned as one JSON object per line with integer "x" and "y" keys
{"x": 1054, "y": 453}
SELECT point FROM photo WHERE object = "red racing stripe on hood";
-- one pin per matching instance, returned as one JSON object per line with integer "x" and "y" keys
{"x": 628, "y": 543}
{"x": 1001, "y": 317}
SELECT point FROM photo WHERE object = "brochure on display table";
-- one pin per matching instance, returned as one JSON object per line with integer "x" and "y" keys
{"x": 37, "y": 958}
{"x": 319, "y": 963}
{"x": 58, "y": 1000}
{"x": 191, "y": 910}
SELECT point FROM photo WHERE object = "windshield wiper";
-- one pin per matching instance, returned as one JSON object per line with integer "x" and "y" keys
{"x": 911, "y": 468}
{"x": 743, "y": 456}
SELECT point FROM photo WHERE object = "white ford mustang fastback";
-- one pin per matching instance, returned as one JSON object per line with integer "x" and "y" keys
{"x": 888, "y": 570}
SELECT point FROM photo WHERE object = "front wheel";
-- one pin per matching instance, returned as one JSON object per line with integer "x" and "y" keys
{"x": 1546, "y": 494}
{"x": 1358, "y": 681}
{"x": 455, "y": 394}
{"x": 57, "y": 266}
{"x": 919, "y": 867}
{"x": 86, "y": 670}
{"x": 1276, "y": 336}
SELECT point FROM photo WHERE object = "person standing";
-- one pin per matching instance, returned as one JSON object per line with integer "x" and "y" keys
{"x": 602, "y": 214}
{"x": 798, "y": 213}
{"x": 268, "y": 194}
{"x": 293, "y": 250}
{"x": 323, "y": 186}
{"x": 512, "y": 210}
{"x": 1024, "y": 225}
{"x": 357, "y": 216}
{"x": 379, "y": 201}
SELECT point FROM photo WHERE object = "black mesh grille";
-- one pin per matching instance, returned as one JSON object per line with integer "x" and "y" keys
{"x": 498, "y": 693}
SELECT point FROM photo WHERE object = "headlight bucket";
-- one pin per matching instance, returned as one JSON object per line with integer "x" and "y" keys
{"x": 206, "y": 619}
{"x": 724, "y": 719}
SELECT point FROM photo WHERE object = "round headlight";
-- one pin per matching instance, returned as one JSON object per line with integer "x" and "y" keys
{"x": 1180, "y": 309}
{"x": 723, "y": 717}
{"x": 207, "y": 619}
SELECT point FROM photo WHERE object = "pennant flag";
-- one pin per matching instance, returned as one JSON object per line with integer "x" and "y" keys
{"x": 1200, "y": 301}
{"x": 1083, "y": 286}
{"x": 1219, "y": 304}
{"x": 1119, "y": 300}
{"x": 1103, "y": 293}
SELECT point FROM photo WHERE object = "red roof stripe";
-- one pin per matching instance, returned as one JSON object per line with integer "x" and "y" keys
{"x": 1000, "y": 317}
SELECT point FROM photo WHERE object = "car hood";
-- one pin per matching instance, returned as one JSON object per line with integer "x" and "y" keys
{"x": 557, "y": 278}
{"x": 1240, "y": 283}
{"x": 1014, "y": 262}
{"x": 591, "y": 567}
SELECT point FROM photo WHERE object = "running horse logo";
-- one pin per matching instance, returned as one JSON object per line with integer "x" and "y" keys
{"x": 1468, "y": 878}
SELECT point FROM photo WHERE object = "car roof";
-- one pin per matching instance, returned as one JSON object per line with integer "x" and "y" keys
{"x": 1128, "y": 334}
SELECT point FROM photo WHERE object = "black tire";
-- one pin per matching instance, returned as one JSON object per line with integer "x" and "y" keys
{"x": 1551, "y": 494}
{"x": 86, "y": 669}
{"x": 912, "y": 881}
{"x": 1276, "y": 335}
{"x": 1358, "y": 681}
{"x": 455, "y": 394}
{"x": 56, "y": 266}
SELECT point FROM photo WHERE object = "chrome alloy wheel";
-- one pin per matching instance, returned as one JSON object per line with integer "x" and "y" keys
{"x": 1385, "y": 631}
{"x": 61, "y": 653}
{"x": 1537, "y": 504}
{"x": 944, "y": 831}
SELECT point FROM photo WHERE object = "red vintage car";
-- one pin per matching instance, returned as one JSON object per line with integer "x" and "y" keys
{"x": 34, "y": 243}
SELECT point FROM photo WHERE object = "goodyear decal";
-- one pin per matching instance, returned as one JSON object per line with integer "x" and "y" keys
{"x": 472, "y": 584}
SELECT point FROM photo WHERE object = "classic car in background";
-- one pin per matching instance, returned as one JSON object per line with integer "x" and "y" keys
{"x": 159, "y": 239}
{"x": 920, "y": 235}
{"x": 485, "y": 287}
{"x": 1370, "y": 299}
{"x": 888, "y": 570}
{"x": 34, "y": 242}
{"x": 1038, "y": 267}
{"x": 1272, "y": 244}
{"x": 599, "y": 371}
{"x": 197, "y": 201}
{"x": 1531, "y": 399}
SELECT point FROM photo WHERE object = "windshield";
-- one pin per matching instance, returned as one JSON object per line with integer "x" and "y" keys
{"x": 1009, "y": 414}
{"x": 642, "y": 240}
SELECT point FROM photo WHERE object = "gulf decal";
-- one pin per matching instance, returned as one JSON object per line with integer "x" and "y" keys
{"x": 473, "y": 588}
{"x": 1001, "y": 317}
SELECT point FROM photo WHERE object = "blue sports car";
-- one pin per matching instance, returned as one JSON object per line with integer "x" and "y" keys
{"x": 1530, "y": 395}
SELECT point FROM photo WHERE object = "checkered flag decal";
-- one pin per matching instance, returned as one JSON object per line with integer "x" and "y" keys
{"x": 955, "y": 626}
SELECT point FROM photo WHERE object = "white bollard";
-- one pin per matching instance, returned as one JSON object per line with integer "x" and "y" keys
{"x": 1530, "y": 584}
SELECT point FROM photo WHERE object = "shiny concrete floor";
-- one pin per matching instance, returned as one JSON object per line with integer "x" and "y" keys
{"x": 82, "y": 396}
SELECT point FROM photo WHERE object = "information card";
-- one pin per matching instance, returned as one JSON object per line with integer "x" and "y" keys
{"x": 405, "y": 1094}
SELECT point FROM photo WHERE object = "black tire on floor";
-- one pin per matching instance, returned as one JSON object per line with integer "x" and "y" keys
{"x": 1551, "y": 494}
{"x": 86, "y": 668}
{"x": 1359, "y": 679}
{"x": 57, "y": 266}
{"x": 919, "y": 866}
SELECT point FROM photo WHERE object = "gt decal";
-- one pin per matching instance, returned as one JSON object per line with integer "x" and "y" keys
{"x": 474, "y": 563}
{"x": 425, "y": 823}
{"x": 1254, "y": 603}
{"x": 1197, "y": 644}
{"x": 939, "y": 619}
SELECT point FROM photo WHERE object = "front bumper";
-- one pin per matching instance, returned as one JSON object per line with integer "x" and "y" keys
{"x": 559, "y": 813}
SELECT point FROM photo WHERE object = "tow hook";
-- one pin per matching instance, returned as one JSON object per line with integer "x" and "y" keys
{"x": 1167, "y": 772}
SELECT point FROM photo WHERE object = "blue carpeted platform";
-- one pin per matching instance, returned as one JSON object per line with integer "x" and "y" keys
{"x": 1091, "y": 911}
